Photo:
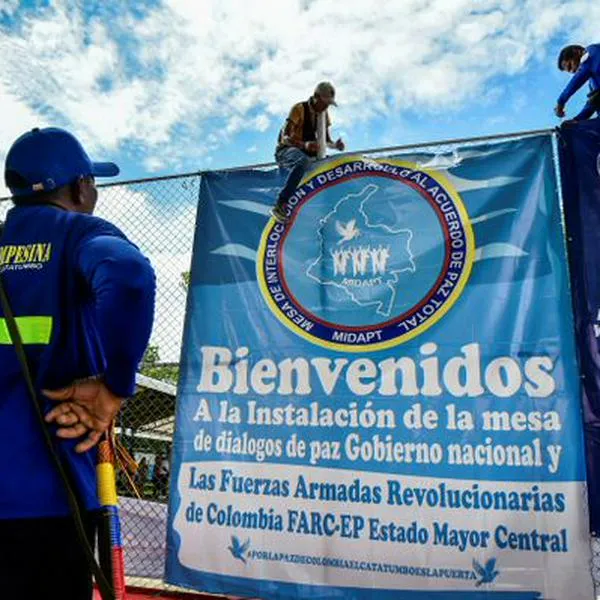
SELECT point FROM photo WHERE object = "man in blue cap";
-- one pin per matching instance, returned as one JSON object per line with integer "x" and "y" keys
{"x": 83, "y": 296}
{"x": 584, "y": 64}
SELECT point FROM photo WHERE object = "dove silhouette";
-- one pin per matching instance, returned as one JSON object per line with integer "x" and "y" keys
{"x": 238, "y": 549}
{"x": 487, "y": 573}
{"x": 348, "y": 231}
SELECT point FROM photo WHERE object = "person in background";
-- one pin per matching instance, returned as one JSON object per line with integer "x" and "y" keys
{"x": 584, "y": 64}
{"x": 303, "y": 139}
{"x": 83, "y": 296}
{"x": 141, "y": 475}
{"x": 162, "y": 476}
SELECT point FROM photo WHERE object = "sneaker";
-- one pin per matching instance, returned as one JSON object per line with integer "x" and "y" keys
{"x": 278, "y": 213}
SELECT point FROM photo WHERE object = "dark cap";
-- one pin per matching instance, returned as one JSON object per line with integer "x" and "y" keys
{"x": 326, "y": 92}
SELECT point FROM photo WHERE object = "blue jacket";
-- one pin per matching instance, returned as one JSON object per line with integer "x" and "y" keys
{"x": 589, "y": 70}
{"x": 84, "y": 297}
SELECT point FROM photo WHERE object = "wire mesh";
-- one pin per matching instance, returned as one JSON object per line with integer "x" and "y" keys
{"x": 159, "y": 217}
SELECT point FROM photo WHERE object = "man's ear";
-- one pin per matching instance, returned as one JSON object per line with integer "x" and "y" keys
{"x": 76, "y": 192}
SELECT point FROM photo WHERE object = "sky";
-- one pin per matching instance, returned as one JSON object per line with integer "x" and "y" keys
{"x": 170, "y": 86}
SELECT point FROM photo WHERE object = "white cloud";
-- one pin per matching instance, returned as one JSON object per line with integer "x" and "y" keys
{"x": 9, "y": 7}
{"x": 185, "y": 78}
{"x": 153, "y": 163}
{"x": 17, "y": 117}
{"x": 261, "y": 123}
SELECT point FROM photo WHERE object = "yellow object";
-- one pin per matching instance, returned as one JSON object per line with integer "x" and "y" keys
{"x": 107, "y": 491}
{"x": 33, "y": 330}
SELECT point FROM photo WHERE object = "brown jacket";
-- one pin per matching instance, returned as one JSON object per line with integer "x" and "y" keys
{"x": 301, "y": 126}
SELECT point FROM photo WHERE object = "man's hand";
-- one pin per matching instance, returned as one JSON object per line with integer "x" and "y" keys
{"x": 559, "y": 111}
{"x": 339, "y": 145}
{"x": 312, "y": 147}
{"x": 85, "y": 407}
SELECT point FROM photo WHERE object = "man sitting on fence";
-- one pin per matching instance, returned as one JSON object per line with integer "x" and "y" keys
{"x": 303, "y": 139}
{"x": 83, "y": 296}
{"x": 584, "y": 63}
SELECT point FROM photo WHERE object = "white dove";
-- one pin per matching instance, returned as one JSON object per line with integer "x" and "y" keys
{"x": 348, "y": 231}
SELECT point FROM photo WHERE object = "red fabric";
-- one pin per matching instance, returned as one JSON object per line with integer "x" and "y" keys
{"x": 118, "y": 565}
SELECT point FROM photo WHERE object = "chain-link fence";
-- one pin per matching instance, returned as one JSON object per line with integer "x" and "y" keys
{"x": 159, "y": 215}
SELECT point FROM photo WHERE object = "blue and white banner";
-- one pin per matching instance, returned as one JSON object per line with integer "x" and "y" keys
{"x": 579, "y": 147}
{"x": 381, "y": 399}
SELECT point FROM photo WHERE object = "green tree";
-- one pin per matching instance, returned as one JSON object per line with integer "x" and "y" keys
{"x": 151, "y": 366}
{"x": 185, "y": 280}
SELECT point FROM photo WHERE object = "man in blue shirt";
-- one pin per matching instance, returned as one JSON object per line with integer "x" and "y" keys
{"x": 584, "y": 63}
{"x": 83, "y": 296}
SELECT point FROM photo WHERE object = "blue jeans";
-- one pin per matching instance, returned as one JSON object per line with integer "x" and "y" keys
{"x": 295, "y": 161}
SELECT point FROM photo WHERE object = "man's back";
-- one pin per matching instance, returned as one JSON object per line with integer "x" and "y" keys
{"x": 593, "y": 52}
{"x": 47, "y": 276}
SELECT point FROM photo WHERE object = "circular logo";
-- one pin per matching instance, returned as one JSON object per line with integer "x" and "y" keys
{"x": 374, "y": 253}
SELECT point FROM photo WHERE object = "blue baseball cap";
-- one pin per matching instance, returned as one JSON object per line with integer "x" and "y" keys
{"x": 43, "y": 160}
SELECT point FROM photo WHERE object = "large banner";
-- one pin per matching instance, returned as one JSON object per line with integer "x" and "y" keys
{"x": 579, "y": 147}
{"x": 381, "y": 398}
